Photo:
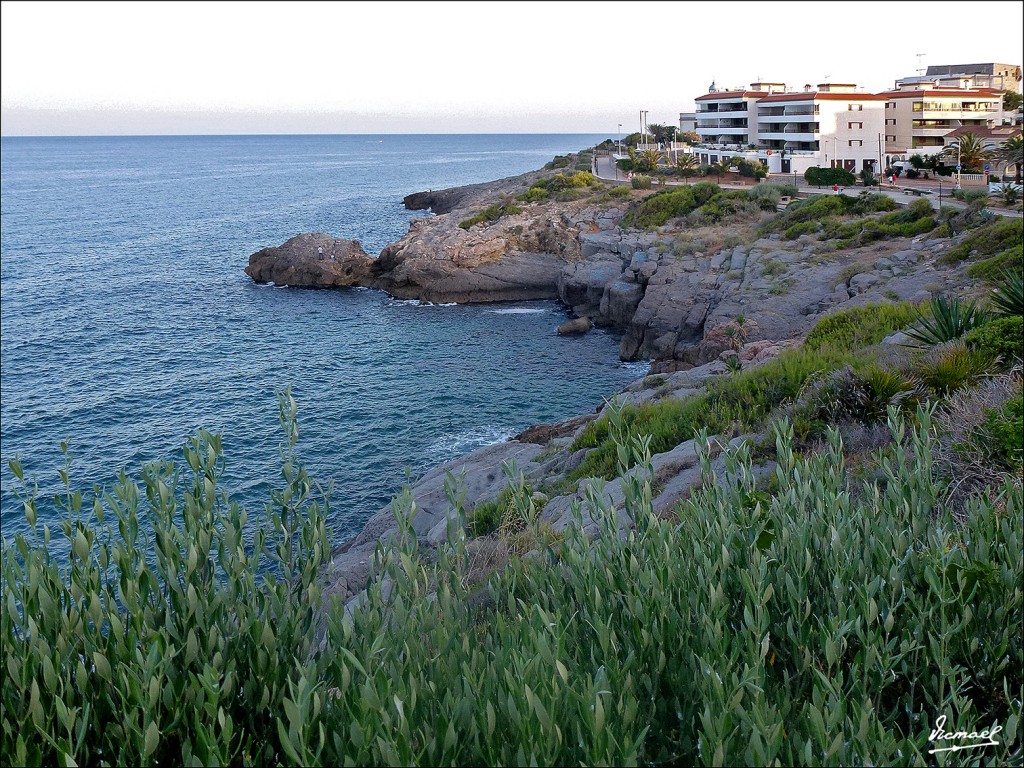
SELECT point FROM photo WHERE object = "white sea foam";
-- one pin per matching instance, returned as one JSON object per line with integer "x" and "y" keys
{"x": 452, "y": 444}
{"x": 518, "y": 311}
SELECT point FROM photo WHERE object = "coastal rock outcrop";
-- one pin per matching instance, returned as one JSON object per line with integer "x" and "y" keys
{"x": 312, "y": 260}
{"x": 519, "y": 257}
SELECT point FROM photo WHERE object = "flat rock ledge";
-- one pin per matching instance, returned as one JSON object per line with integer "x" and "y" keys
{"x": 311, "y": 260}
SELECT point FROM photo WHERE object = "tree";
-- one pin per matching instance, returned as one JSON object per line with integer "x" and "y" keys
{"x": 647, "y": 160}
{"x": 917, "y": 161}
{"x": 1011, "y": 101}
{"x": 662, "y": 133}
{"x": 971, "y": 153}
{"x": 690, "y": 137}
{"x": 1012, "y": 154}
{"x": 685, "y": 165}
{"x": 720, "y": 168}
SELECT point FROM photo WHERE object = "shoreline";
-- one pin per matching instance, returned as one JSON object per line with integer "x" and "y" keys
{"x": 685, "y": 297}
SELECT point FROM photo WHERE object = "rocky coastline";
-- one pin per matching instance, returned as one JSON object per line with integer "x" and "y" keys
{"x": 687, "y": 298}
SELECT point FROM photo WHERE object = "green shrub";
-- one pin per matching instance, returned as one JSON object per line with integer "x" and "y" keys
{"x": 491, "y": 213}
{"x": 1010, "y": 260}
{"x": 533, "y": 195}
{"x": 1003, "y": 432}
{"x": 990, "y": 238}
{"x": 573, "y": 655}
{"x": 827, "y": 177}
{"x": 184, "y": 637}
{"x": 641, "y": 182}
{"x": 862, "y": 326}
{"x": 745, "y": 399}
{"x": 953, "y": 366}
{"x": 1001, "y": 338}
{"x": 802, "y": 228}
{"x": 620, "y": 192}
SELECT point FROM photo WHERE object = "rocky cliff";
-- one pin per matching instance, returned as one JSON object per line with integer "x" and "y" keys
{"x": 687, "y": 296}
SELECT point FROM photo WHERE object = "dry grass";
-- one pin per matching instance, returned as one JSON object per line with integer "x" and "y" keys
{"x": 960, "y": 452}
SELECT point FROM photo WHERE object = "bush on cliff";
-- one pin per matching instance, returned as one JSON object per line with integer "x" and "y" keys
{"x": 492, "y": 213}
{"x": 828, "y": 621}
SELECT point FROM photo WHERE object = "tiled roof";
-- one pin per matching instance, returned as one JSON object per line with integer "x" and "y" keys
{"x": 941, "y": 92}
{"x": 822, "y": 96}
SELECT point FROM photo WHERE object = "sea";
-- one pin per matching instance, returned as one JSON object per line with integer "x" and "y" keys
{"x": 127, "y": 323}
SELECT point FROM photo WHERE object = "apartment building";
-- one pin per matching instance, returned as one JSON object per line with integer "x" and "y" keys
{"x": 1000, "y": 77}
{"x": 837, "y": 125}
{"x": 919, "y": 116}
{"x": 729, "y": 117}
{"x": 833, "y": 125}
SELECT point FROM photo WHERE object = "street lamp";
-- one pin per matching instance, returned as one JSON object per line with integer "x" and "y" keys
{"x": 620, "y": 138}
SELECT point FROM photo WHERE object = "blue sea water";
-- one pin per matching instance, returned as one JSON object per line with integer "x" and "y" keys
{"x": 126, "y": 322}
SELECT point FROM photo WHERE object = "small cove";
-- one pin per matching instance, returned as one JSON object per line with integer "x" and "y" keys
{"x": 127, "y": 322}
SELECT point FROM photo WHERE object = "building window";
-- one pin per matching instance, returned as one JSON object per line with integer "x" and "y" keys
{"x": 890, "y": 138}
{"x": 890, "y": 121}
{"x": 856, "y": 143}
{"x": 855, "y": 125}
{"x": 855, "y": 107}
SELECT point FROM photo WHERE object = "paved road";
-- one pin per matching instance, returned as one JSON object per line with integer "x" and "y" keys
{"x": 902, "y": 193}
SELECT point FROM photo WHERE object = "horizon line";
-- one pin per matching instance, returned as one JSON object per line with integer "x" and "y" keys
{"x": 263, "y": 135}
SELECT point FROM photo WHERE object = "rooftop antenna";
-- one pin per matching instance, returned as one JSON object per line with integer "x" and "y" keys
{"x": 920, "y": 69}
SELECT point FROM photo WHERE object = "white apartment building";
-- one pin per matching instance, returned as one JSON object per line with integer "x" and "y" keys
{"x": 837, "y": 124}
{"x": 834, "y": 125}
{"x": 729, "y": 117}
{"x": 918, "y": 117}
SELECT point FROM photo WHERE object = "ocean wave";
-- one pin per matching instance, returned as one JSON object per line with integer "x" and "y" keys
{"x": 518, "y": 311}
{"x": 452, "y": 444}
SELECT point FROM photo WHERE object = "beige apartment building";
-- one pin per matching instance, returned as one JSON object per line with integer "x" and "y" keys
{"x": 918, "y": 116}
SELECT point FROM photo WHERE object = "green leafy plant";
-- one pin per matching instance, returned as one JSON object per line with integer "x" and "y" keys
{"x": 952, "y": 366}
{"x": 184, "y": 629}
{"x": 1001, "y": 338}
{"x": 949, "y": 318}
{"x": 1008, "y": 293}
{"x": 861, "y": 326}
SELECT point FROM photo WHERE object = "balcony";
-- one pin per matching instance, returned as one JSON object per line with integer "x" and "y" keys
{"x": 787, "y": 111}
{"x": 724, "y": 109}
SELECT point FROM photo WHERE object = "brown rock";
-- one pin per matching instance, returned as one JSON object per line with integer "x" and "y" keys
{"x": 574, "y": 327}
{"x": 312, "y": 260}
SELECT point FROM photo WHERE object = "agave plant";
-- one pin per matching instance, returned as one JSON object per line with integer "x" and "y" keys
{"x": 1008, "y": 294}
{"x": 950, "y": 319}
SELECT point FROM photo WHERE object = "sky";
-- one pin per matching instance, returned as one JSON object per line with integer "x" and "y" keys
{"x": 126, "y": 68}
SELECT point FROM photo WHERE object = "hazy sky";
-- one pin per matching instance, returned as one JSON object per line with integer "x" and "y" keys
{"x": 462, "y": 67}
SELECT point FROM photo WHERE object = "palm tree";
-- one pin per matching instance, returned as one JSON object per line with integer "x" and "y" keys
{"x": 647, "y": 160}
{"x": 1012, "y": 153}
{"x": 686, "y": 164}
{"x": 971, "y": 153}
{"x": 661, "y": 133}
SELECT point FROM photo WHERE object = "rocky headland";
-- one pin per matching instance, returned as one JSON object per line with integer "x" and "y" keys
{"x": 688, "y": 295}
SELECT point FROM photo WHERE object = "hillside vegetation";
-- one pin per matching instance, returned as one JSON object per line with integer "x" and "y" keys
{"x": 853, "y": 575}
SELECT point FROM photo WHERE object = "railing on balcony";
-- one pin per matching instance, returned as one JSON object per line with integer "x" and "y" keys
{"x": 788, "y": 130}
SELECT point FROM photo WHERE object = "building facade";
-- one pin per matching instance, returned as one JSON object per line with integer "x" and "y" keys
{"x": 833, "y": 125}
{"x": 1000, "y": 77}
{"x": 918, "y": 117}
{"x": 729, "y": 117}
